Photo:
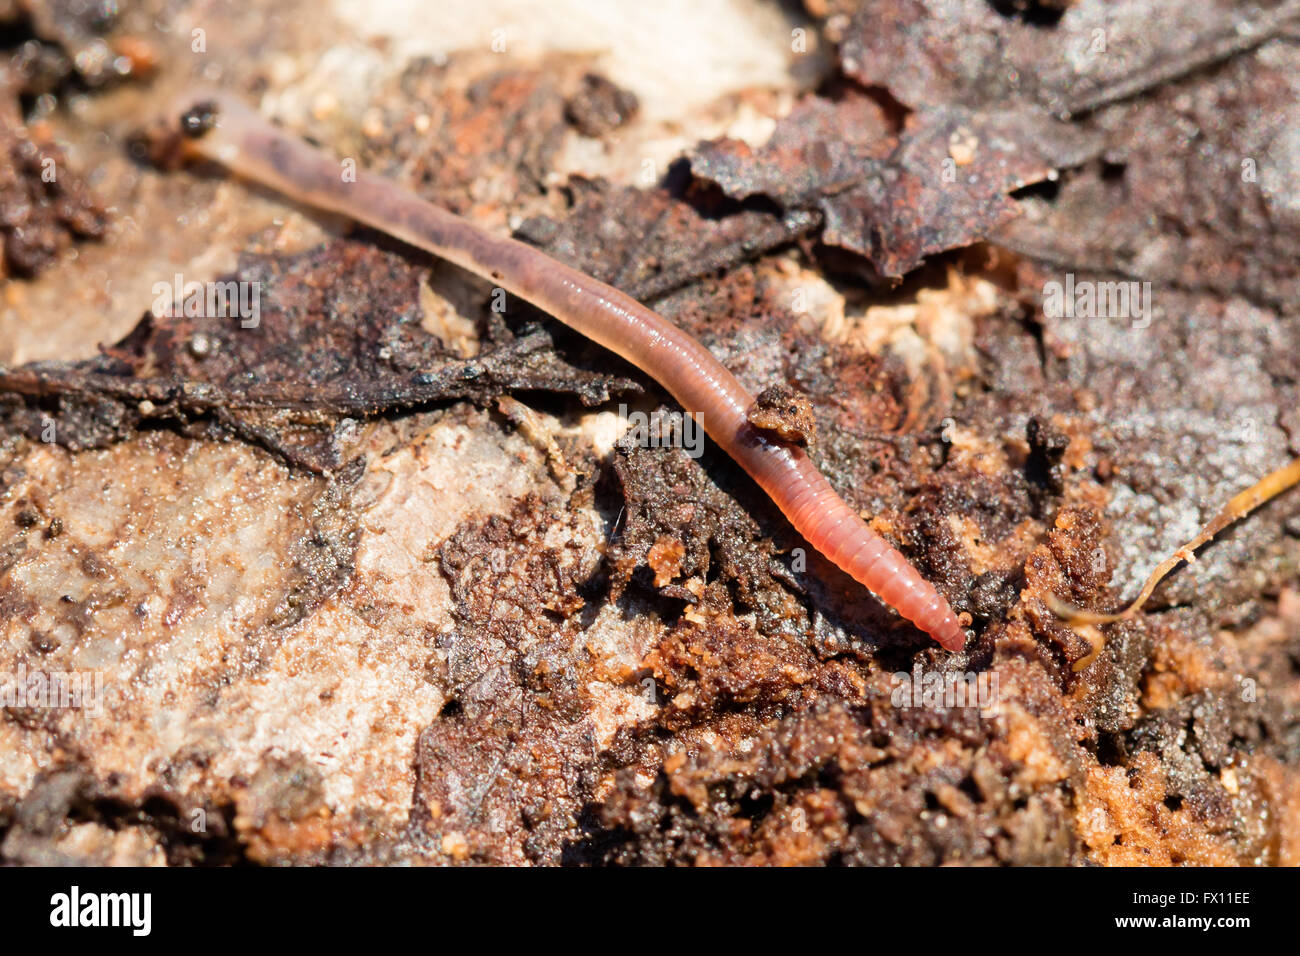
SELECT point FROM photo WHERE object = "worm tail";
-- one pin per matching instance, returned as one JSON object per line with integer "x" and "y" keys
{"x": 836, "y": 530}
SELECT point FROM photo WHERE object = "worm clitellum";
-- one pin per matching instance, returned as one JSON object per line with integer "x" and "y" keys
{"x": 220, "y": 128}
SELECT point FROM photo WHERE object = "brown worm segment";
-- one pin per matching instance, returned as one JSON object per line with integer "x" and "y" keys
{"x": 222, "y": 129}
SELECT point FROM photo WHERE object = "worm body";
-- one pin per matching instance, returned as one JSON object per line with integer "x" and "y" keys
{"x": 222, "y": 129}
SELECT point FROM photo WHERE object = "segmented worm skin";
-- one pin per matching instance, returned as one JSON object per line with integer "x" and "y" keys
{"x": 253, "y": 148}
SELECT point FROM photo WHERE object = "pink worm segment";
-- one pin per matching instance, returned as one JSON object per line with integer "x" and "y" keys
{"x": 249, "y": 146}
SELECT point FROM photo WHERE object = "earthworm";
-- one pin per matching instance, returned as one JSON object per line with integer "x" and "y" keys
{"x": 218, "y": 127}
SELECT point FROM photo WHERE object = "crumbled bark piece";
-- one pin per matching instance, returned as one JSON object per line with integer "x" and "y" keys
{"x": 941, "y": 183}
{"x": 822, "y": 146}
{"x": 44, "y": 204}
{"x": 665, "y": 559}
{"x": 599, "y": 106}
{"x": 786, "y": 413}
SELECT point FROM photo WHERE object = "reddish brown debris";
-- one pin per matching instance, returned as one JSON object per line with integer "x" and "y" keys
{"x": 786, "y": 413}
{"x": 940, "y": 183}
{"x": 599, "y": 106}
{"x": 45, "y": 206}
